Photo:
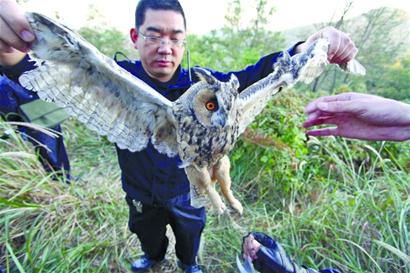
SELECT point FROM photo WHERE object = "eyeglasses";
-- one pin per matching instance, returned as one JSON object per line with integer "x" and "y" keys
{"x": 159, "y": 41}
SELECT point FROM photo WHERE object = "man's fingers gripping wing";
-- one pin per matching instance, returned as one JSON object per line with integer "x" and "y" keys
{"x": 287, "y": 71}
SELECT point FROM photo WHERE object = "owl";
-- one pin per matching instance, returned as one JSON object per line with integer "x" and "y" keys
{"x": 201, "y": 127}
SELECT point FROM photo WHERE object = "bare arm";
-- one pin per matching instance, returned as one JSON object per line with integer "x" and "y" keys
{"x": 359, "y": 116}
{"x": 15, "y": 35}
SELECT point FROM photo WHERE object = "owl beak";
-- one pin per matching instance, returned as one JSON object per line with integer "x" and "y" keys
{"x": 219, "y": 120}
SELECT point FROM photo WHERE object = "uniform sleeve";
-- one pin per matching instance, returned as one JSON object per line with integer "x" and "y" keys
{"x": 255, "y": 72}
{"x": 15, "y": 71}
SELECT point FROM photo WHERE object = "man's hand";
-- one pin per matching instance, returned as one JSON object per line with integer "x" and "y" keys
{"x": 251, "y": 247}
{"x": 341, "y": 47}
{"x": 359, "y": 116}
{"x": 15, "y": 33}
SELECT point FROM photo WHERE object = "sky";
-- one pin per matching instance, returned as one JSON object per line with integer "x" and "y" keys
{"x": 203, "y": 16}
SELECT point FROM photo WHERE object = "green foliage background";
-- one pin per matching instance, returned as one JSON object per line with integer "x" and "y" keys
{"x": 331, "y": 202}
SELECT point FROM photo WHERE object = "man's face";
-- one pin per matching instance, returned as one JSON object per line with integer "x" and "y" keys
{"x": 159, "y": 41}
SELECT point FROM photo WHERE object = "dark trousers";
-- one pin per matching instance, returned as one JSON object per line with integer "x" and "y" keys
{"x": 150, "y": 222}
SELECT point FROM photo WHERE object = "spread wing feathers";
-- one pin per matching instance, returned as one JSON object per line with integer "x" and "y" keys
{"x": 93, "y": 88}
{"x": 287, "y": 71}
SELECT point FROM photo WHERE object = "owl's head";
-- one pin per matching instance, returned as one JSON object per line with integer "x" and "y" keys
{"x": 214, "y": 102}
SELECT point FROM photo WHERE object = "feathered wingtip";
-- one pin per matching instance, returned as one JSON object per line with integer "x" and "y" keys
{"x": 53, "y": 39}
{"x": 53, "y": 25}
{"x": 319, "y": 60}
{"x": 304, "y": 66}
{"x": 316, "y": 60}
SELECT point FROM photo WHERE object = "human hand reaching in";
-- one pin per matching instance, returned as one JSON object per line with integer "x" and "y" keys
{"x": 359, "y": 116}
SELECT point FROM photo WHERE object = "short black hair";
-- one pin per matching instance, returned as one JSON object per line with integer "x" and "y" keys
{"x": 144, "y": 5}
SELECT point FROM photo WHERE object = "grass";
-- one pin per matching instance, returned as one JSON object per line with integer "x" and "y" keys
{"x": 330, "y": 202}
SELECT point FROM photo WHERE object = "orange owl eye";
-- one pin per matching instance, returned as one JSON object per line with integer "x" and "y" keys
{"x": 211, "y": 105}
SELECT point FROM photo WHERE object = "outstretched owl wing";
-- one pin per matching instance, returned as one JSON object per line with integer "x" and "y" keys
{"x": 287, "y": 71}
{"x": 93, "y": 88}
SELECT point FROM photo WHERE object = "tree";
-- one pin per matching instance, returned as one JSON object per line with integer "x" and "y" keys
{"x": 238, "y": 43}
{"x": 396, "y": 83}
{"x": 107, "y": 39}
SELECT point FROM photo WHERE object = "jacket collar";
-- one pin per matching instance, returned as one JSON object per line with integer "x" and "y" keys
{"x": 180, "y": 80}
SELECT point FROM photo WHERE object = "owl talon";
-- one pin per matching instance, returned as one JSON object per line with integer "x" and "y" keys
{"x": 237, "y": 206}
{"x": 222, "y": 209}
{"x": 224, "y": 218}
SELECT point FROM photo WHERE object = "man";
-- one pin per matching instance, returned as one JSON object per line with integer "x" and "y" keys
{"x": 157, "y": 191}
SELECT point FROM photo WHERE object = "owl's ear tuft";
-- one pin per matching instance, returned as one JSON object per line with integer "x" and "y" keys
{"x": 204, "y": 75}
{"x": 234, "y": 82}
